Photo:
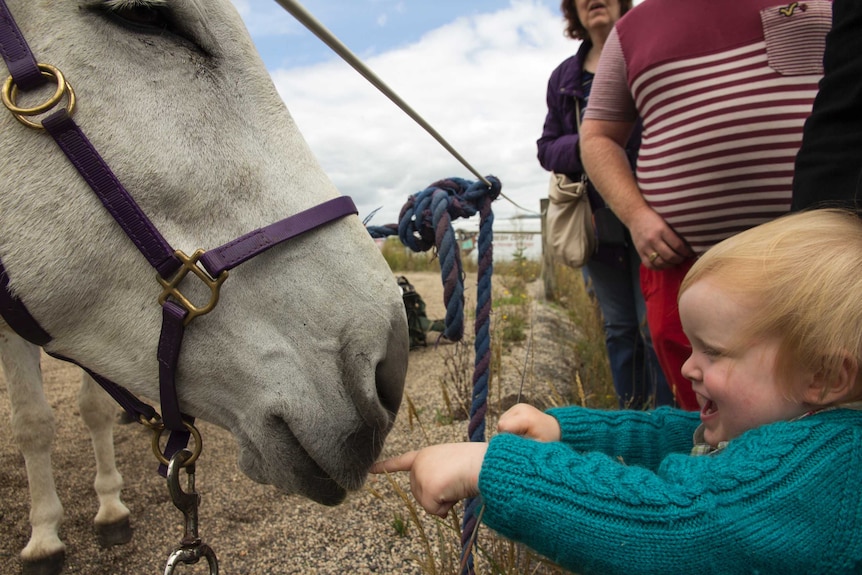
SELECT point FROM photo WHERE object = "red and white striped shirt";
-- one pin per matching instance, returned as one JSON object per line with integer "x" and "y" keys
{"x": 723, "y": 89}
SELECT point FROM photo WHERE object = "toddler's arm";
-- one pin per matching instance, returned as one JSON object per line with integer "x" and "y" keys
{"x": 637, "y": 437}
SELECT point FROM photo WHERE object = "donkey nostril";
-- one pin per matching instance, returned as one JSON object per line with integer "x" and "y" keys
{"x": 391, "y": 372}
{"x": 389, "y": 387}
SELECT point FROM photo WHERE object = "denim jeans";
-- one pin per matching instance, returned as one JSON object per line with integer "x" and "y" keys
{"x": 638, "y": 379}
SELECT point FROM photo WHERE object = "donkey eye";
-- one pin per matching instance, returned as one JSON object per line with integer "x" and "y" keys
{"x": 141, "y": 17}
{"x": 148, "y": 17}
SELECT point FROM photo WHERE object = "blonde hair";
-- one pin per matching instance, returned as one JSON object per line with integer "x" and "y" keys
{"x": 803, "y": 273}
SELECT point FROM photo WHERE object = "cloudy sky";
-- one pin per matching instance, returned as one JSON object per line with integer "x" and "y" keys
{"x": 476, "y": 70}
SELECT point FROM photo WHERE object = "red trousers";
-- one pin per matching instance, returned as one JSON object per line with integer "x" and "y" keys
{"x": 660, "y": 289}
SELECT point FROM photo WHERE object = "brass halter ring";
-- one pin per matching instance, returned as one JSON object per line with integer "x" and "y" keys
{"x": 10, "y": 95}
{"x": 158, "y": 428}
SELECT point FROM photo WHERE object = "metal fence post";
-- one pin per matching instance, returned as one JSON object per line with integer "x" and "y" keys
{"x": 549, "y": 276}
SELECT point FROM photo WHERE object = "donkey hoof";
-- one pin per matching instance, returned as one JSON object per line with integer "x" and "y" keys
{"x": 111, "y": 534}
{"x": 50, "y": 565}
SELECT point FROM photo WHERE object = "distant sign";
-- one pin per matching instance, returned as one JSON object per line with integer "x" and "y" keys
{"x": 511, "y": 237}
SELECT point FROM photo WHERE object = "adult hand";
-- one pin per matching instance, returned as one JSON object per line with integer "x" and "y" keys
{"x": 657, "y": 244}
{"x": 440, "y": 475}
{"x": 526, "y": 420}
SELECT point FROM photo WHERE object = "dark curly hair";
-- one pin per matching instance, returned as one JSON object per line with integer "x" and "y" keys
{"x": 574, "y": 29}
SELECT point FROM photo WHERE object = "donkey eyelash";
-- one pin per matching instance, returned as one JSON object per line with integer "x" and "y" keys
{"x": 141, "y": 15}
{"x": 129, "y": 4}
{"x": 149, "y": 17}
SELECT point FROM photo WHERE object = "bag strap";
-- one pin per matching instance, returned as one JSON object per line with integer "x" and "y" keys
{"x": 578, "y": 115}
{"x": 584, "y": 178}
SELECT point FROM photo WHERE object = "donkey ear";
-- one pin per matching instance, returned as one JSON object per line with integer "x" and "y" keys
{"x": 834, "y": 385}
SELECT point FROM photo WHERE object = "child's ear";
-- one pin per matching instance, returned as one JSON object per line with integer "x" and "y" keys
{"x": 834, "y": 385}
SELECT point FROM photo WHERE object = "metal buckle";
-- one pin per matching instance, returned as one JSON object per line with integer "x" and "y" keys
{"x": 171, "y": 286}
{"x": 10, "y": 94}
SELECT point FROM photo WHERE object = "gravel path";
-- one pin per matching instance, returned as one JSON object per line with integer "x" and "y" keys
{"x": 253, "y": 528}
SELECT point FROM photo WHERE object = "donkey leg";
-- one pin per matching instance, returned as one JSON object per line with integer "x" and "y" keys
{"x": 33, "y": 433}
{"x": 98, "y": 411}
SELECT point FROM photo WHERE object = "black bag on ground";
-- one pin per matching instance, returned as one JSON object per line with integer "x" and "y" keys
{"x": 418, "y": 324}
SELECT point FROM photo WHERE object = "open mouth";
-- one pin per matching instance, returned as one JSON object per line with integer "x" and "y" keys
{"x": 709, "y": 408}
{"x": 596, "y": 6}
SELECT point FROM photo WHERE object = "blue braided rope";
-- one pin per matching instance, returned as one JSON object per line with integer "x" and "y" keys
{"x": 382, "y": 231}
{"x": 451, "y": 267}
{"x": 481, "y": 372}
{"x": 425, "y": 222}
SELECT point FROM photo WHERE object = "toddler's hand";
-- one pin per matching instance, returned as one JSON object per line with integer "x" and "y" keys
{"x": 440, "y": 475}
{"x": 526, "y": 420}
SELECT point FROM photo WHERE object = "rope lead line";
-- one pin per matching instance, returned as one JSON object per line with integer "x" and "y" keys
{"x": 426, "y": 222}
{"x": 481, "y": 373}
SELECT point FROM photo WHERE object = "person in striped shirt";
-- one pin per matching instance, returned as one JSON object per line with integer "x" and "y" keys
{"x": 723, "y": 91}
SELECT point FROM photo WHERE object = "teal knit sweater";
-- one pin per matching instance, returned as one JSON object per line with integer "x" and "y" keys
{"x": 621, "y": 494}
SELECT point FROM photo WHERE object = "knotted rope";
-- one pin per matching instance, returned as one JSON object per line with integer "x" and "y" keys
{"x": 426, "y": 222}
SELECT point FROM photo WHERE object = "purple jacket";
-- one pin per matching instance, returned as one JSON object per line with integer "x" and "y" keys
{"x": 558, "y": 147}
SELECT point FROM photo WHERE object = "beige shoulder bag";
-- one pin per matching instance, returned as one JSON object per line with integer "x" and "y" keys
{"x": 569, "y": 219}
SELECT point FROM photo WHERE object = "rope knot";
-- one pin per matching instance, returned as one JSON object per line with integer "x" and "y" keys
{"x": 457, "y": 197}
{"x": 425, "y": 222}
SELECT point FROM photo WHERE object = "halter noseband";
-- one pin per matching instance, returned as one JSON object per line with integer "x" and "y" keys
{"x": 211, "y": 267}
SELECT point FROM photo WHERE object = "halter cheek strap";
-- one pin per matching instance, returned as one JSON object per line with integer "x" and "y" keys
{"x": 171, "y": 266}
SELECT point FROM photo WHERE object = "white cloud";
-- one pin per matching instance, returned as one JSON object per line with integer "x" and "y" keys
{"x": 479, "y": 81}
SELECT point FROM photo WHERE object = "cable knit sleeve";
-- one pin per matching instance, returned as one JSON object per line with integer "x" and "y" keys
{"x": 783, "y": 498}
{"x": 642, "y": 438}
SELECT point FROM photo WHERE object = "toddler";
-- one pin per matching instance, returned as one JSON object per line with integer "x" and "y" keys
{"x": 764, "y": 479}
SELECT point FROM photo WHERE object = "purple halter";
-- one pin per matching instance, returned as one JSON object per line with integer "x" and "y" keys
{"x": 172, "y": 266}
